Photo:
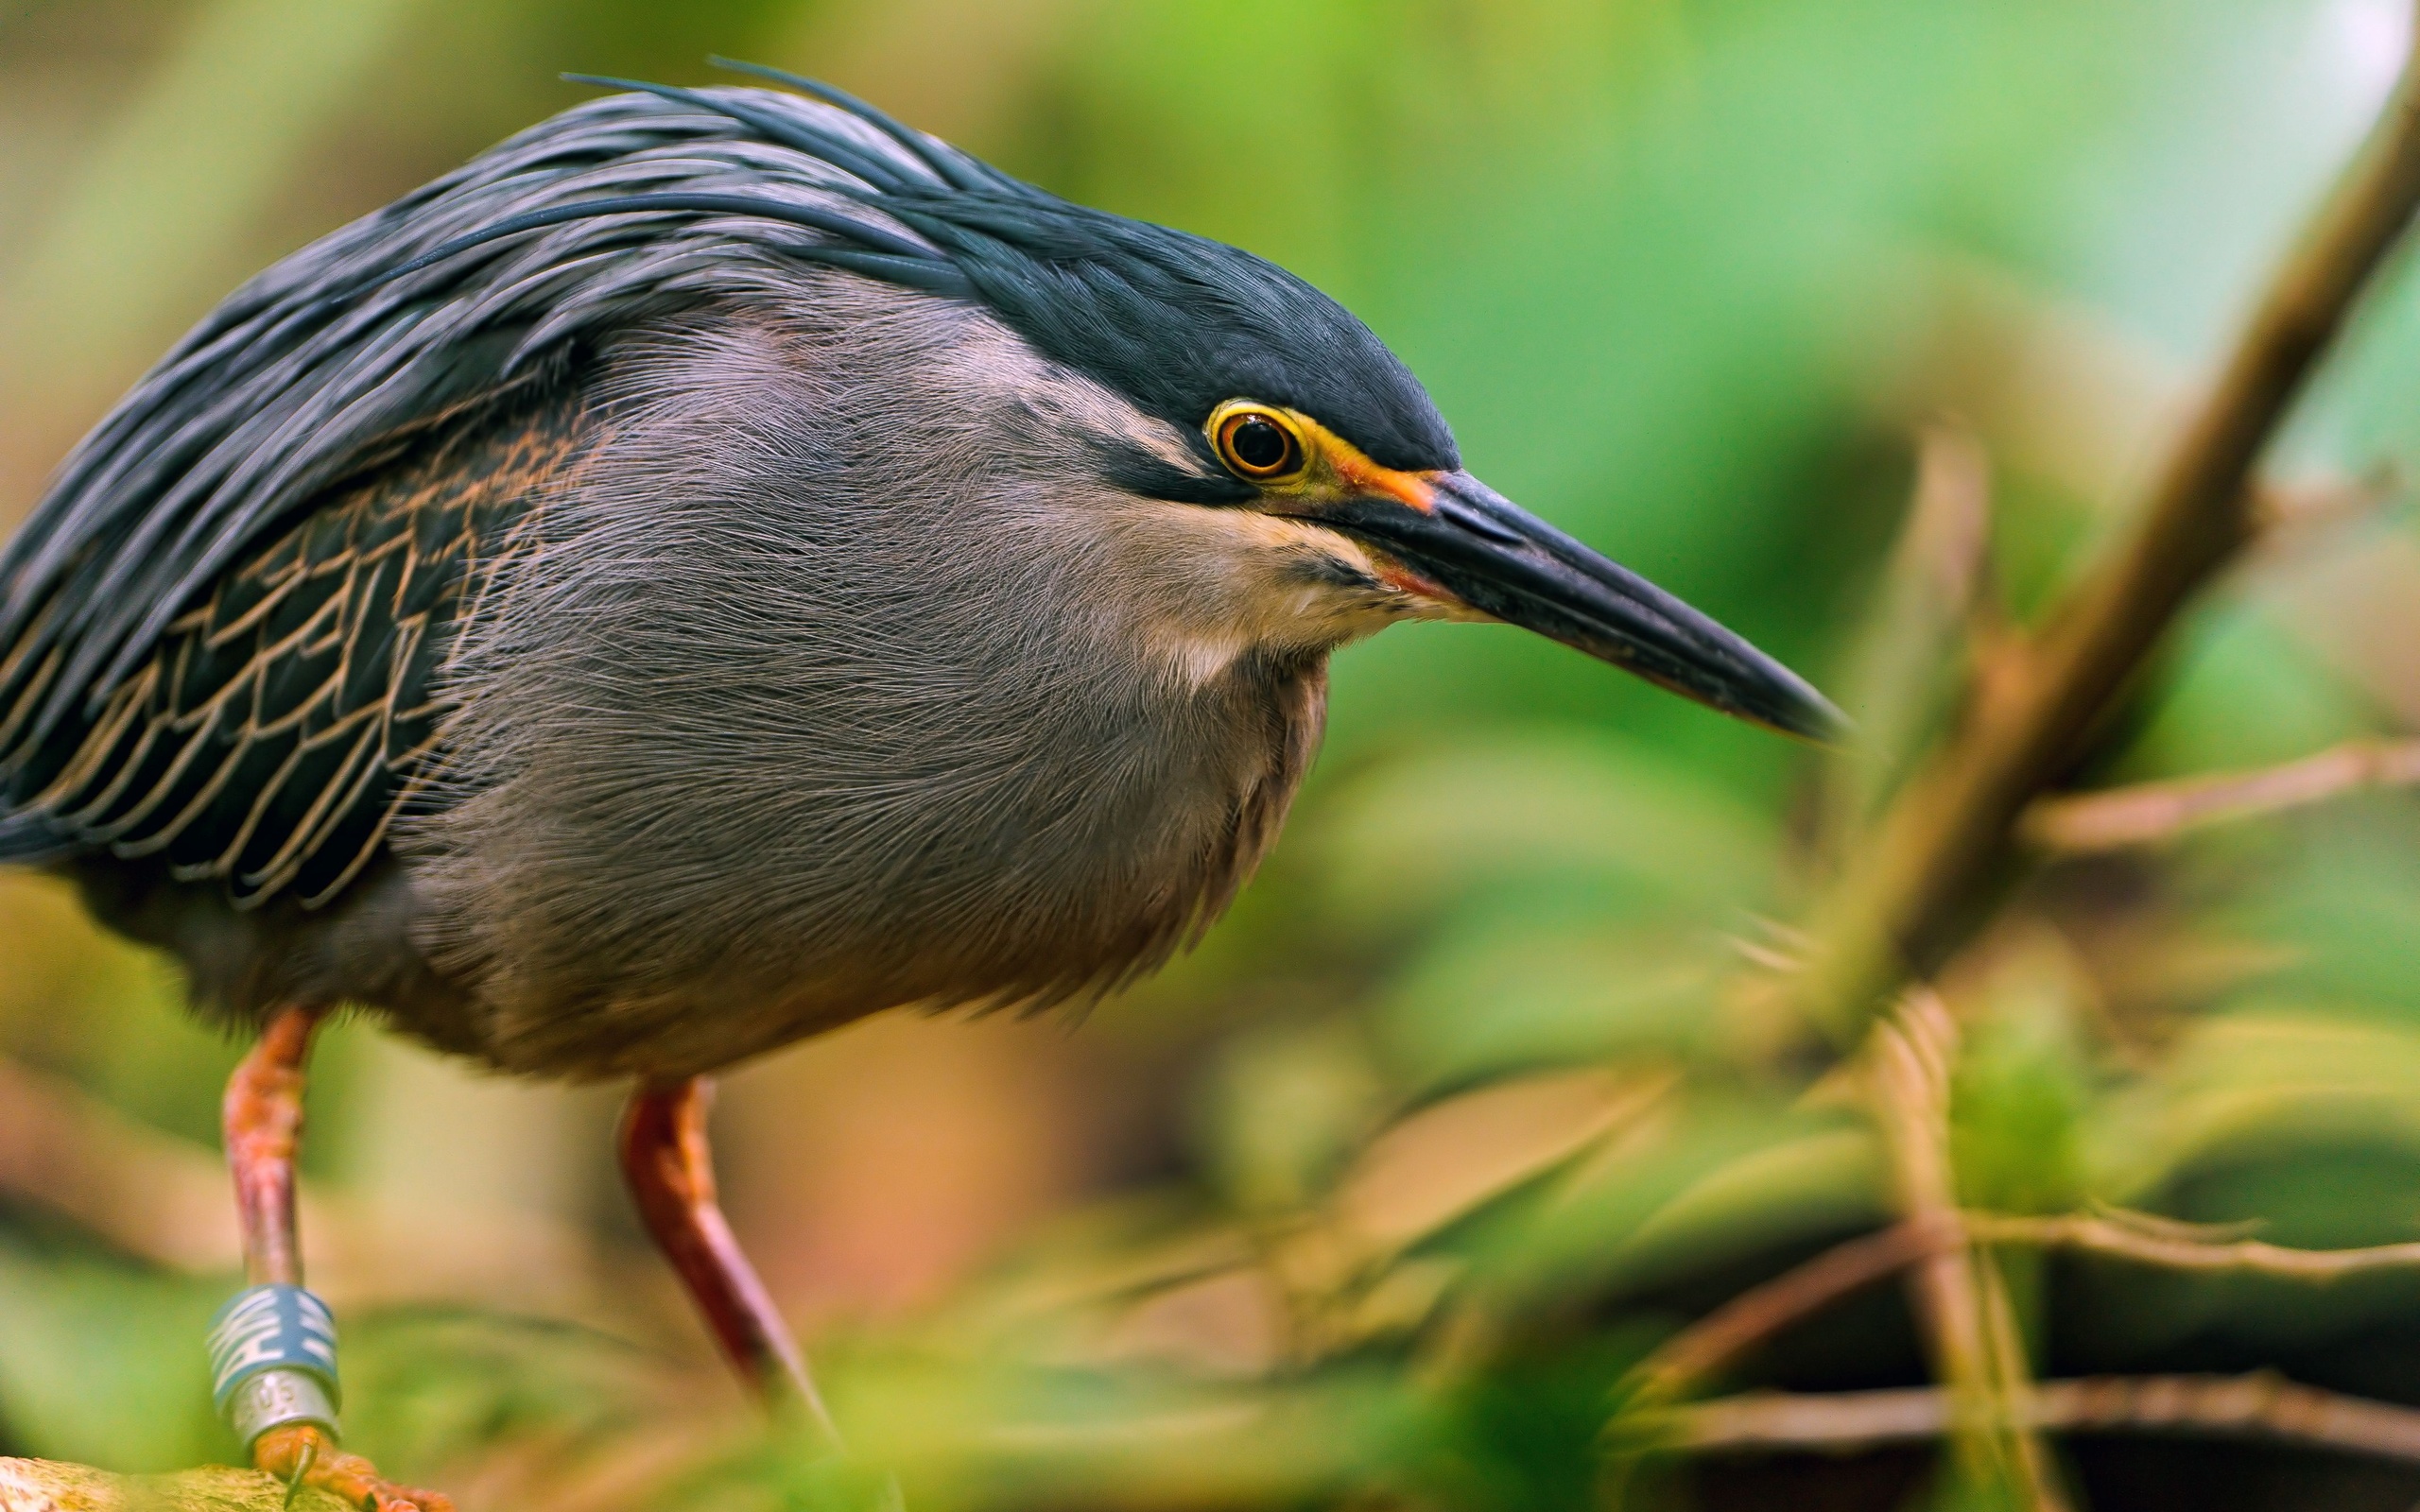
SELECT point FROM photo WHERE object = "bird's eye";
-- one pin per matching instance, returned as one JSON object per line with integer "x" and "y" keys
{"x": 1258, "y": 444}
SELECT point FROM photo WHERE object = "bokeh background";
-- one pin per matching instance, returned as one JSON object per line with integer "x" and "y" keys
{"x": 1372, "y": 1201}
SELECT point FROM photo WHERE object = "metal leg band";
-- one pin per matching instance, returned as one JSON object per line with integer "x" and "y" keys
{"x": 273, "y": 1361}
{"x": 274, "y": 1397}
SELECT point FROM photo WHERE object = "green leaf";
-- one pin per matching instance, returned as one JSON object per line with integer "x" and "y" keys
{"x": 2256, "y": 1082}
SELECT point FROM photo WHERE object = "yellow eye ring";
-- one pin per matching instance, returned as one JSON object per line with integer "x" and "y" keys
{"x": 1258, "y": 443}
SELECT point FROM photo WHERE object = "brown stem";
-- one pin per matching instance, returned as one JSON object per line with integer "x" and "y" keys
{"x": 1960, "y": 1300}
{"x": 2254, "y": 1407}
{"x": 2156, "y": 811}
{"x": 1935, "y": 597}
{"x": 1757, "y": 1314}
{"x": 1761, "y": 1311}
{"x": 1919, "y": 888}
{"x": 2105, "y": 1236}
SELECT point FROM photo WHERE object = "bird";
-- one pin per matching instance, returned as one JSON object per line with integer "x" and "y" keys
{"x": 717, "y": 565}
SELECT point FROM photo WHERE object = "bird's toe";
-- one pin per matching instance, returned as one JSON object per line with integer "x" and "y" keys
{"x": 305, "y": 1455}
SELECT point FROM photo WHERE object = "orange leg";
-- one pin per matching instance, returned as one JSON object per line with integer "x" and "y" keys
{"x": 671, "y": 1171}
{"x": 263, "y": 1118}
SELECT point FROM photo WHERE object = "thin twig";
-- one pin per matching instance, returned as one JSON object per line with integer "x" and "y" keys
{"x": 2158, "y": 810}
{"x": 166, "y": 1199}
{"x": 153, "y": 1194}
{"x": 1910, "y": 1063}
{"x": 1960, "y": 1299}
{"x": 2261, "y": 1405}
{"x": 1934, "y": 600}
{"x": 1920, "y": 888}
{"x": 2282, "y": 512}
{"x": 1747, "y": 1320}
{"x": 1761, "y": 1311}
{"x": 1730, "y": 1330}
{"x": 1757, "y": 1314}
{"x": 2105, "y": 1236}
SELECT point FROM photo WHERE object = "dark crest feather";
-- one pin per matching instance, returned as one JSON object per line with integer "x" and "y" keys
{"x": 954, "y": 168}
{"x": 789, "y": 135}
{"x": 873, "y": 238}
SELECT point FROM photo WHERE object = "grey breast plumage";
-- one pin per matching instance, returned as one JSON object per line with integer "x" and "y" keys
{"x": 656, "y": 592}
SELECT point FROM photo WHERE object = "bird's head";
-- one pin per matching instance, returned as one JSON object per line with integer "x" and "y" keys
{"x": 1327, "y": 477}
{"x": 1332, "y": 540}
{"x": 1264, "y": 430}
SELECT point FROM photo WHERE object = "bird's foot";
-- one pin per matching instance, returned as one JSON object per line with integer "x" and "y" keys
{"x": 306, "y": 1454}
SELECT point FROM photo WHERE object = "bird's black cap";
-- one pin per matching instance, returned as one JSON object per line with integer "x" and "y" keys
{"x": 1175, "y": 322}
{"x": 1180, "y": 324}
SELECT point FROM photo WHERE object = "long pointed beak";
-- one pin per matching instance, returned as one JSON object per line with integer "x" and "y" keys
{"x": 1510, "y": 565}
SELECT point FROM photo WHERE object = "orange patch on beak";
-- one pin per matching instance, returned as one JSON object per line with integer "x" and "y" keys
{"x": 1411, "y": 488}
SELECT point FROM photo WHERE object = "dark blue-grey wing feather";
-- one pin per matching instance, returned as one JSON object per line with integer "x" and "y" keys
{"x": 267, "y": 739}
{"x": 280, "y": 391}
{"x": 135, "y": 717}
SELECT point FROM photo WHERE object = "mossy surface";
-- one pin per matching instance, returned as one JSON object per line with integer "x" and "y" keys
{"x": 51, "y": 1486}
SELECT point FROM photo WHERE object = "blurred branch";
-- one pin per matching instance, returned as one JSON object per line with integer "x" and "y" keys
{"x": 2282, "y": 512}
{"x": 1760, "y": 1312}
{"x": 2259, "y": 1405}
{"x": 1960, "y": 1299}
{"x": 166, "y": 1200}
{"x": 2180, "y": 1250}
{"x": 1757, "y": 1314}
{"x": 147, "y": 1193}
{"x": 2157, "y": 811}
{"x": 1909, "y": 649}
{"x": 1944, "y": 849}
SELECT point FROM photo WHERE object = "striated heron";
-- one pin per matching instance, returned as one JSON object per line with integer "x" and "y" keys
{"x": 719, "y": 565}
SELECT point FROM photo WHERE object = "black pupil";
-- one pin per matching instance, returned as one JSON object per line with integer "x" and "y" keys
{"x": 1258, "y": 444}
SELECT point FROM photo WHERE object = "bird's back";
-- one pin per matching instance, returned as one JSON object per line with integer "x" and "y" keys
{"x": 222, "y": 627}
{"x": 238, "y": 789}
{"x": 264, "y": 741}
{"x": 336, "y": 376}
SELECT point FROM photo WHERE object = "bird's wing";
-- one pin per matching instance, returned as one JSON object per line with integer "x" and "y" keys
{"x": 274, "y": 731}
{"x": 116, "y": 598}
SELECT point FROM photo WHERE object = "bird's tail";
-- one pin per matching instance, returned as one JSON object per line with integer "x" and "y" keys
{"x": 28, "y": 838}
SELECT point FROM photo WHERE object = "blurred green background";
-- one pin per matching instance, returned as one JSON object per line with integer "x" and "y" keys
{"x": 1480, "y": 1092}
